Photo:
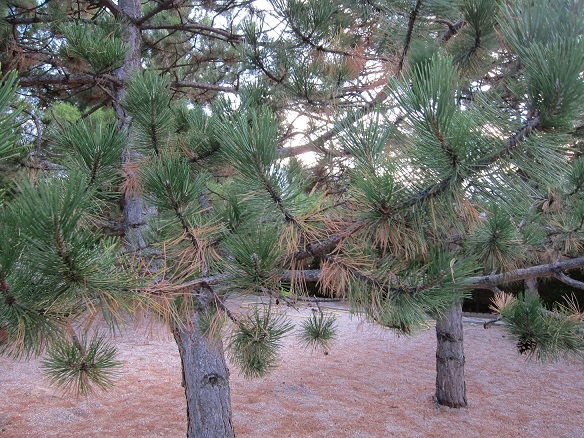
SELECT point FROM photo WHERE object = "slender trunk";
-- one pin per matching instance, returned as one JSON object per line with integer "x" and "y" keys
{"x": 135, "y": 210}
{"x": 206, "y": 382}
{"x": 450, "y": 384}
{"x": 205, "y": 372}
{"x": 531, "y": 289}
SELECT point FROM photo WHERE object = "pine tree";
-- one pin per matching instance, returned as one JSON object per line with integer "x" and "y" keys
{"x": 448, "y": 156}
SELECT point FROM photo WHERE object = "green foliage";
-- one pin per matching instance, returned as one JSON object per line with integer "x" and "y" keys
{"x": 576, "y": 177}
{"x": 100, "y": 46}
{"x": 197, "y": 135}
{"x": 318, "y": 331}
{"x": 8, "y": 132}
{"x": 82, "y": 365}
{"x": 148, "y": 102}
{"x": 444, "y": 139}
{"x": 255, "y": 255}
{"x": 367, "y": 140}
{"x": 547, "y": 37}
{"x": 250, "y": 141}
{"x": 255, "y": 342}
{"x": 373, "y": 187}
{"x": 472, "y": 49}
{"x": 542, "y": 335}
{"x": 496, "y": 242}
{"x": 76, "y": 268}
{"x": 429, "y": 97}
{"x": 170, "y": 184}
{"x": 93, "y": 149}
{"x": 63, "y": 113}
{"x": 31, "y": 324}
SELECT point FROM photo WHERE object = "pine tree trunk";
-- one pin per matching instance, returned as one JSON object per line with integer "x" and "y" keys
{"x": 135, "y": 210}
{"x": 531, "y": 288}
{"x": 206, "y": 382}
{"x": 450, "y": 384}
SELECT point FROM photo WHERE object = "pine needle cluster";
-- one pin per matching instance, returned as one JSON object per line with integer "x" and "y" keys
{"x": 541, "y": 334}
{"x": 82, "y": 365}
{"x": 256, "y": 340}
{"x": 318, "y": 331}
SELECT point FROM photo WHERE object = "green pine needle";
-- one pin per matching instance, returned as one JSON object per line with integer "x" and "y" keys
{"x": 542, "y": 335}
{"x": 256, "y": 341}
{"x": 318, "y": 331}
{"x": 82, "y": 365}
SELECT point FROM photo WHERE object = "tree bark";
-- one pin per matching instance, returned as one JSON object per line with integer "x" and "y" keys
{"x": 550, "y": 270}
{"x": 135, "y": 210}
{"x": 450, "y": 384}
{"x": 206, "y": 382}
{"x": 531, "y": 289}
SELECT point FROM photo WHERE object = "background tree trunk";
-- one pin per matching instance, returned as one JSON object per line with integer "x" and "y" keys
{"x": 206, "y": 381}
{"x": 135, "y": 210}
{"x": 450, "y": 384}
{"x": 531, "y": 287}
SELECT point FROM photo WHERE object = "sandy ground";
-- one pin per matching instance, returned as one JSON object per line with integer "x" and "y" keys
{"x": 370, "y": 384}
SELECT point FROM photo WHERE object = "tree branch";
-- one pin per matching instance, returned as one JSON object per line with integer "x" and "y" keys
{"x": 453, "y": 29}
{"x": 195, "y": 27}
{"x": 203, "y": 86}
{"x": 161, "y": 7}
{"x": 66, "y": 79}
{"x": 317, "y": 249}
{"x": 84, "y": 79}
{"x": 439, "y": 187}
{"x": 413, "y": 16}
{"x": 568, "y": 280}
{"x": 551, "y": 270}
{"x": 526, "y": 130}
{"x": 317, "y": 144}
{"x": 114, "y": 9}
{"x": 489, "y": 282}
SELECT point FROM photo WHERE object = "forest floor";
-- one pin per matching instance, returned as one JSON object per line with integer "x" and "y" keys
{"x": 371, "y": 383}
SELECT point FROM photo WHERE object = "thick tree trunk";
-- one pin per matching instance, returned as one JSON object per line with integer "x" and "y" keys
{"x": 450, "y": 384}
{"x": 206, "y": 382}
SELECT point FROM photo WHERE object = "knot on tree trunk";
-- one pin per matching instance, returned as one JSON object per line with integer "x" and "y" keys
{"x": 447, "y": 337}
{"x": 212, "y": 379}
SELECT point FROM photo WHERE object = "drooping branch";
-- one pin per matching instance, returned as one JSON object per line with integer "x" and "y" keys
{"x": 568, "y": 280}
{"x": 550, "y": 270}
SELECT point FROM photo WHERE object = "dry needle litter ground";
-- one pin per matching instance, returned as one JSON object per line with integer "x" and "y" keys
{"x": 370, "y": 384}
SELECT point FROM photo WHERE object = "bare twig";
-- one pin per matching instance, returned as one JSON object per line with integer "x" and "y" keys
{"x": 413, "y": 16}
